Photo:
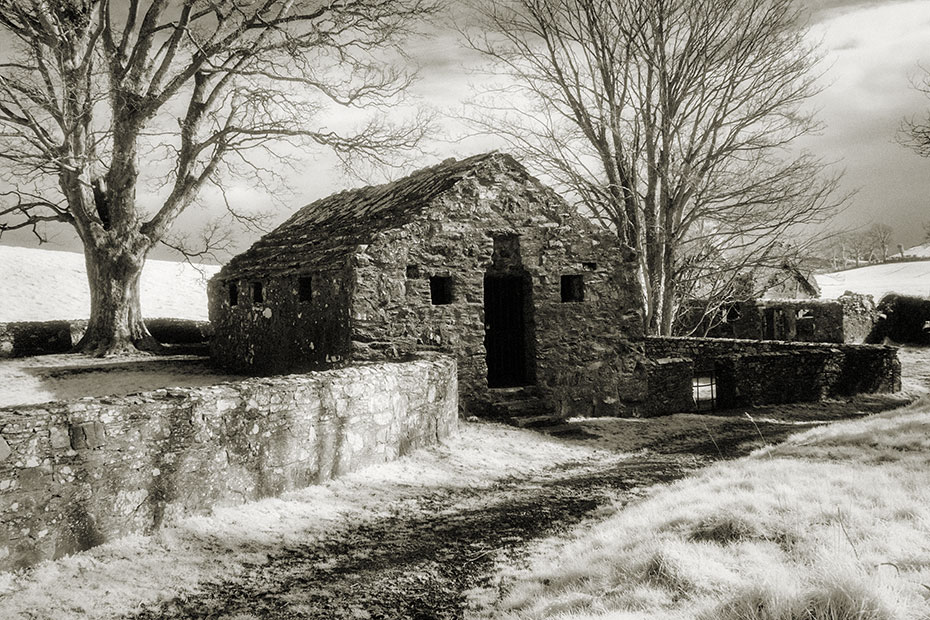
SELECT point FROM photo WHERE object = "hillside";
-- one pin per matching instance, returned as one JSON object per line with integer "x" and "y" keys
{"x": 918, "y": 251}
{"x": 44, "y": 285}
{"x": 878, "y": 280}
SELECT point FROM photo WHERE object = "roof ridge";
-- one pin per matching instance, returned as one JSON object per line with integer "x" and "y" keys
{"x": 345, "y": 217}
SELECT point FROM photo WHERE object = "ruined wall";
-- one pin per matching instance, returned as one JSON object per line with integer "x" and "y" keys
{"x": 859, "y": 316}
{"x": 811, "y": 320}
{"x": 291, "y": 329}
{"x": 586, "y": 357}
{"x": 44, "y": 337}
{"x": 757, "y": 372}
{"x": 670, "y": 386}
{"x": 76, "y": 474}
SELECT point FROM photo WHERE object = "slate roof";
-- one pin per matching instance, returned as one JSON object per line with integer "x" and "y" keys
{"x": 328, "y": 230}
{"x": 785, "y": 280}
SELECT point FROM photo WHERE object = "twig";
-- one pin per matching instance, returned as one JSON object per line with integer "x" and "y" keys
{"x": 846, "y": 533}
{"x": 711, "y": 435}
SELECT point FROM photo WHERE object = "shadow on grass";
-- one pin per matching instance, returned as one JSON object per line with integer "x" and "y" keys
{"x": 415, "y": 565}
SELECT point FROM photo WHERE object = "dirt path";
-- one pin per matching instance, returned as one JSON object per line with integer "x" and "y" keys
{"x": 419, "y": 561}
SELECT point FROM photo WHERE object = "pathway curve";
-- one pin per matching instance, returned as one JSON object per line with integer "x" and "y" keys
{"x": 420, "y": 560}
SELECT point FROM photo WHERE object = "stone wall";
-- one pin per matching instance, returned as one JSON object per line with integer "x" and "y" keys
{"x": 76, "y": 474}
{"x": 787, "y": 320}
{"x": 289, "y": 329}
{"x": 758, "y": 372}
{"x": 25, "y": 338}
{"x": 847, "y": 319}
{"x": 670, "y": 386}
{"x": 859, "y": 316}
{"x": 585, "y": 357}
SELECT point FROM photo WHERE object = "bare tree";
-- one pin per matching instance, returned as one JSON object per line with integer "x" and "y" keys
{"x": 669, "y": 121}
{"x": 879, "y": 236}
{"x": 915, "y": 133}
{"x": 97, "y": 97}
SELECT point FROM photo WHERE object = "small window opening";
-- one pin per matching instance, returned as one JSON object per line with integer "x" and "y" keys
{"x": 258, "y": 293}
{"x": 572, "y": 288}
{"x": 704, "y": 388}
{"x": 589, "y": 266}
{"x": 413, "y": 272}
{"x": 233, "y": 294}
{"x": 305, "y": 288}
{"x": 440, "y": 290}
{"x": 732, "y": 314}
{"x": 804, "y": 313}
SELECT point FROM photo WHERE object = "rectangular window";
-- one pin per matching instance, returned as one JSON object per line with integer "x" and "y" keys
{"x": 305, "y": 289}
{"x": 258, "y": 293}
{"x": 440, "y": 290}
{"x": 233, "y": 294}
{"x": 589, "y": 266}
{"x": 413, "y": 272}
{"x": 572, "y": 288}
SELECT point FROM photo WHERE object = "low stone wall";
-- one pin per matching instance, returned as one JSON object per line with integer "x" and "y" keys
{"x": 76, "y": 474}
{"x": 670, "y": 386}
{"x": 759, "y": 372}
{"x": 26, "y": 338}
{"x": 846, "y": 319}
{"x": 859, "y": 316}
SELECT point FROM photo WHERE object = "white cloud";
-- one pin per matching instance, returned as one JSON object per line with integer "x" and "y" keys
{"x": 872, "y": 52}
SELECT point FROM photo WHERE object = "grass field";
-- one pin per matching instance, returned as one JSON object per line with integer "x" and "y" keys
{"x": 45, "y": 285}
{"x": 834, "y": 524}
{"x": 911, "y": 278}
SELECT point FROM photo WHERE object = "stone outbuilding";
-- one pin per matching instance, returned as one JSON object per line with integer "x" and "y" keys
{"x": 476, "y": 258}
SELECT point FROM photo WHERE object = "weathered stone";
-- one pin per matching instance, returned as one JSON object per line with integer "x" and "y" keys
{"x": 43, "y": 337}
{"x": 172, "y": 453}
{"x": 59, "y": 438}
{"x": 87, "y": 435}
{"x": 469, "y": 257}
{"x": 749, "y": 372}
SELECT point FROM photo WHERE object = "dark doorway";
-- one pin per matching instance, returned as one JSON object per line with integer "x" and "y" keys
{"x": 506, "y": 304}
{"x": 769, "y": 328}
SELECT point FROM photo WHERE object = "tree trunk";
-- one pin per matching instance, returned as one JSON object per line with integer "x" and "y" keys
{"x": 669, "y": 293}
{"x": 115, "y": 325}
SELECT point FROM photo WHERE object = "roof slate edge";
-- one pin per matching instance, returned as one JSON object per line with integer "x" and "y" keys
{"x": 242, "y": 265}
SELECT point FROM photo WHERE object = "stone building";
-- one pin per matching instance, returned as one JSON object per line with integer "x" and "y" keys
{"x": 473, "y": 257}
{"x": 786, "y": 281}
{"x": 847, "y": 319}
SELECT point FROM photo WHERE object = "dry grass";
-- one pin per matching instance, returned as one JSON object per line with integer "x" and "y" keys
{"x": 834, "y": 524}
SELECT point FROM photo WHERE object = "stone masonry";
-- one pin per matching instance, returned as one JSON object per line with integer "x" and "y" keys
{"x": 761, "y": 372}
{"x": 74, "y": 474}
{"x": 474, "y": 257}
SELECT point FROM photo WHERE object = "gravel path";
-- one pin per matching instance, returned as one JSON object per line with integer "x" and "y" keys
{"x": 420, "y": 561}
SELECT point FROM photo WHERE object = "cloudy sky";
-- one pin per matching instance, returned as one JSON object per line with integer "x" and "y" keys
{"x": 873, "y": 49}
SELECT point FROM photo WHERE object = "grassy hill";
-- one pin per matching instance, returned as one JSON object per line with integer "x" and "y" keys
{"x": 833, "y": 524}
{"x": 45, "y": 285}
{"x": 911, "y": 278}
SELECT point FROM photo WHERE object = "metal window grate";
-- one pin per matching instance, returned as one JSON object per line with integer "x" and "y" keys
{"x": 704, "y": 386}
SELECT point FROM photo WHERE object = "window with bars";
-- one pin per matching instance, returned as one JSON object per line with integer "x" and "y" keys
{"x": 704, "y": 389}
